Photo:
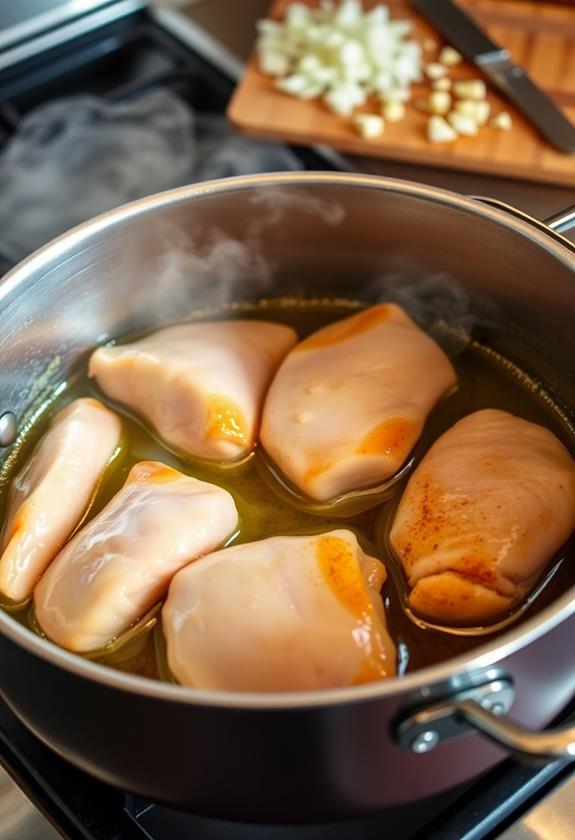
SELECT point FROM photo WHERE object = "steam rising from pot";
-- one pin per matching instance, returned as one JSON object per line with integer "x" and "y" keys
{"x": 75, "y": 158}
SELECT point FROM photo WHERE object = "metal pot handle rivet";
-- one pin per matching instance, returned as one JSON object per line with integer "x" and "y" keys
{"x": 480, "y": 709}
{"x": 8, "y": 428}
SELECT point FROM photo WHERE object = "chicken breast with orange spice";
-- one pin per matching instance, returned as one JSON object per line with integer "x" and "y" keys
{"x": 201, "y": 385}
{"x": 482, "y": 515}
{"x": 348, "y": 403}
{"x": 122, "y": 561}
{"x": 282, "y": 614}
{"x": 50, "y": 495}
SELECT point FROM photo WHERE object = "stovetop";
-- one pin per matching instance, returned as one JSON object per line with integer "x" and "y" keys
{"x": 120, "y": 60}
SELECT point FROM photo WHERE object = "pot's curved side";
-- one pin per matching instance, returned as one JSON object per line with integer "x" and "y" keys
{"x": 294, "y": 765}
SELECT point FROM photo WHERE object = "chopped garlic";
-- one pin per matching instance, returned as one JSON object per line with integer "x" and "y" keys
{"x": 470, "y": 89}
{"x": 368, "y": 125}
{"x": 450, "y": 57}
{"x": 439, "y": 102}
{"x": 393, "y": 111}
{"x": 463, "y": 124}
{"x": 439, "y": 131}
{"x": 502, "y": 121}
{"x": 434, "y": 70}
{"x": 478, "y": 110}
{"x": 442, "y": 84}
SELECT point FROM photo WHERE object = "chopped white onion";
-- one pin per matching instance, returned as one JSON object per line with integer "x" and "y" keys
{"x": 340, "y": 52}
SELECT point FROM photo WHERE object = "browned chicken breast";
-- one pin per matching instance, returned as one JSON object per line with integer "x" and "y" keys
{"x": 488, "y": 507}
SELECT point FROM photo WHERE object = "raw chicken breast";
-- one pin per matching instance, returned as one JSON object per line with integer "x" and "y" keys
{"x": 51, "y": 494}
{"x": 122, "y": 561}
{"x": 201, "y": 386}
{"x": 482, "y": 515}
{"x": 348, "y": 403}
{"x": 282, "y": 614}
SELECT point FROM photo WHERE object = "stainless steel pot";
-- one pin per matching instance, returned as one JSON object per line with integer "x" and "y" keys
{"x": 309, "y": 756}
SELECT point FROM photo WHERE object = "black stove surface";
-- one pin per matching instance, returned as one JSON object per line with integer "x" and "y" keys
{"x": 118, "y": 61}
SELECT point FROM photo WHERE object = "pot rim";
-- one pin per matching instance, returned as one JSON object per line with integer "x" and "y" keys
{"x": 482, "y": 657}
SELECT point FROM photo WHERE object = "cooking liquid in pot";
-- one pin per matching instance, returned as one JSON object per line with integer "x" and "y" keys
{"x": 485, "y": 381}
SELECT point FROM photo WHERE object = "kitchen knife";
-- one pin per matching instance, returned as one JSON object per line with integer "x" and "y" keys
{"x": 495, "y": 63}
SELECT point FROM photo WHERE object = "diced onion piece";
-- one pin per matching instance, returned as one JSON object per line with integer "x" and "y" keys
{"x": 502, "y": 121}
{"x": 463, "y": 124}
{"x": 393, "y": 111}
{"x": 439, "y": 102}
{"x": 268, "y": 27}
{"x": 444, "y": 83}
{"x": 274, "y": 63}
{"x": 292, "y": 84}
{"x": 434, "y": 70}
{"x": 401, "y": 95}
{"x": 311, "y": 91}
{"x": 344, "y": 98}
{"x": 470, "y": 89}
{"x": 450, "y": 57}
{"x": 478, "y": 110}
{"x": 439, "y": 130}
{"x": 369, "y": 126}
{"x": 340, "y": 52}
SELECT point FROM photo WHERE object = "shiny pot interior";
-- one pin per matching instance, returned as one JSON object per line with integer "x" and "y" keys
{"x": 452, "y": 261}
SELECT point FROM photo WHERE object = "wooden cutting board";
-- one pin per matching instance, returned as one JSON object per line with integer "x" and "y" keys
{"x": 540, "y": 37}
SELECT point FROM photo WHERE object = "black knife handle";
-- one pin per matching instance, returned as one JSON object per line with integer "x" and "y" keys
{"x": 459, "y": 28}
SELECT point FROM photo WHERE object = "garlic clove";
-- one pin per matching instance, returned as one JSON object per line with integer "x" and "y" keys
{"x": 439, "y": 130}
{"x": 463, "y": 124}
{"x": 439, "y": 102}
{"x": 470, "y": 89}
{"x": 434, "y": 70}
{"x": 502, "y": 121}
{"x": 369, "y": 126}
{"x": 450, "y": 57}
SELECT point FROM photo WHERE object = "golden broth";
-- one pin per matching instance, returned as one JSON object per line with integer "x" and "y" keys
{"x": 485, "y": 380}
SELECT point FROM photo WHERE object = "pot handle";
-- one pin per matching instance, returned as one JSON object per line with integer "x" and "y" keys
{"x": 481, "y": 708}
{"x": 552, "y": 745}
{"x": 560, "y": 223}
{"x": 563, "y": 221}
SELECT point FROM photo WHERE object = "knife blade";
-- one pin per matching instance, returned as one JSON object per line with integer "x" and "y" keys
{"x": 494, "y": 61}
